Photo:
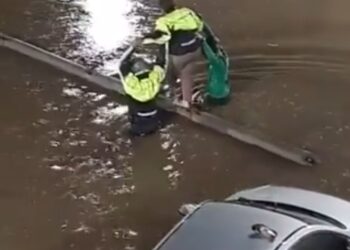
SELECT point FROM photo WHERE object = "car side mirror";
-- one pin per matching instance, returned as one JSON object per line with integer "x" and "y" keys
{"x": 264, "y": 231}
{"x": 186, "y": 209}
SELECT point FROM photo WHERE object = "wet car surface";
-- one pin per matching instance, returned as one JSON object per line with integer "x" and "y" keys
{"x": 267, "y": 217}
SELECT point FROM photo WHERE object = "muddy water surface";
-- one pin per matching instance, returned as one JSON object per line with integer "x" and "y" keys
{"x": 72, "y": 179}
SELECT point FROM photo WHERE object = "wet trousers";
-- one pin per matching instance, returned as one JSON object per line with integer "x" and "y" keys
{"x": 145, "y": 117}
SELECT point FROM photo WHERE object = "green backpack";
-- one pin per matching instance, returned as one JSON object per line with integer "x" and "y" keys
{"x": 218, "y": 87}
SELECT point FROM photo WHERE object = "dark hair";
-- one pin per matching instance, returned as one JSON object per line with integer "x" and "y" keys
{"x": 139, "y": 65}
{"x": 167, "y": 5}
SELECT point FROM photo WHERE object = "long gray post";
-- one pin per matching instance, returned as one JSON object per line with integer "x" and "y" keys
{"x": 220, "y": 125}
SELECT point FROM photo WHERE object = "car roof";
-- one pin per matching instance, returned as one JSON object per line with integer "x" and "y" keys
{"x": 227, "y": 226}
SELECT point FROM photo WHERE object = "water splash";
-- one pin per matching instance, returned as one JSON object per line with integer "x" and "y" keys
{"x": 109, "y": 113}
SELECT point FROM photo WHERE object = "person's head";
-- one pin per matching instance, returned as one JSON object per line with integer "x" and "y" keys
{"x": 140, "y": 66}
{"x": 167, "y": 5}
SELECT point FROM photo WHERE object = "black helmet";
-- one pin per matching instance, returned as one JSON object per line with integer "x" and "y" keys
{"x": 140, "y": 66}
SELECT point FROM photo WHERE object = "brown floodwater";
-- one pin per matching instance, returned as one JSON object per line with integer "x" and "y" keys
{"x": 72, "y": 179}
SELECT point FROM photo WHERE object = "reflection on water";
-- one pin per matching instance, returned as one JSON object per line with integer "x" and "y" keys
{"x": 99, "y": 172}
{"x": 73, "y": 136}
{"x": 110, "y": 23}
{"x": 118, "y": 193}
{"x": 104, "y": 28}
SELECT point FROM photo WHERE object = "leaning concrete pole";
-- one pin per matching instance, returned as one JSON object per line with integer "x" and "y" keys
{"x": 205, "y": 119}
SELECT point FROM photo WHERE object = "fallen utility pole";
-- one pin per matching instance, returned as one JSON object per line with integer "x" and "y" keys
{"x": 206, "y": 119}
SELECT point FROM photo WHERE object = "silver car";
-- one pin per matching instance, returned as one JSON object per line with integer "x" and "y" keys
{"x": 263, "y": 218}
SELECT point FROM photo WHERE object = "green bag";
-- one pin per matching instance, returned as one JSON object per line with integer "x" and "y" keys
{"x": 218, "y": 87}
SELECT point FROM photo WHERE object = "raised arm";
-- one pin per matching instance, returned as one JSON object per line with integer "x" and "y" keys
{"x": 161, "y": 58}
{"x": 124, "y": 66}
{"x": 161, "y": 33}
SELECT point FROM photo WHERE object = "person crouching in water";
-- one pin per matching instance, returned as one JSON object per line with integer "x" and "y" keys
{"x": 142, "y": 82}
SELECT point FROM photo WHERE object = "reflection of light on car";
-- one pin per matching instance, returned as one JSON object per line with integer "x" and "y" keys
{"x": 109, "y": 22}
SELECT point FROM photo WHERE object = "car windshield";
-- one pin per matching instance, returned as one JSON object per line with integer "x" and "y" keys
{"x": 322, "y": 241}
{"x": 305, "y": 215}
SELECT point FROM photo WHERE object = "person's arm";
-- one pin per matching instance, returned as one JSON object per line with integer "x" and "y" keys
{"x": 124, "y": 67}
{"x": 155, "y": 34}
{"x": 206, "y": 31}
{"x": 161, "y": 33}
{"x": 161, "y": 58}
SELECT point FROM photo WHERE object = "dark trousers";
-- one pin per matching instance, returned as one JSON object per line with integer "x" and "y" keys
{"x": 145, "y": 117}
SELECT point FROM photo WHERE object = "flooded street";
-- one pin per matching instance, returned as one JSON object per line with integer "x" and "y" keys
{"x": 72, "y": 179}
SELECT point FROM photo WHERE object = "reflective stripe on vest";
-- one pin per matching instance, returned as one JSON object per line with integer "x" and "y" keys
{"x": 189, "y": 42}
{"x": 147, "y": 114}
{"x": 182, "y": 19}
{"x": 145, "y": 89}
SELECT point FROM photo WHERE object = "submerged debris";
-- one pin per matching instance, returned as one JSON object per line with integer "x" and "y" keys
{"x": 168, "y": 168}
{"x": 57, "y": 168}
{"x": 106, "y": 114}
{"x": 273, "y": 45}
{"x": 72, "y": 92}
{"x": 83, "y": 229}
{"x": 122, "y": 233}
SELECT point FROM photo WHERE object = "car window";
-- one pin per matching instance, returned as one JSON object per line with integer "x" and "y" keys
{"x": 307, "y": 216}
{"x": 322, "y": 241}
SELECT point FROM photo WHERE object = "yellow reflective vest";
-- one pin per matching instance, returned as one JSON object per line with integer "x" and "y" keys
{"x": 146, "y": 89}
{"x": 182, "y": 19}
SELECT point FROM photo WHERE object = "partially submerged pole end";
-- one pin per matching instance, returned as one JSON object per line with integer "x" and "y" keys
{"x": 310, "y": 159}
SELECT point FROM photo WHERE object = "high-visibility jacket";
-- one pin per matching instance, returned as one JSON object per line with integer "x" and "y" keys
{"x": 144, "y": 89}
{"x": 182, "y": 19}
{"x": 180, "y": 27}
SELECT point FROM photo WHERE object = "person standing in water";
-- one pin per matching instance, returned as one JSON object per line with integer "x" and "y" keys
{"x": 182, "y": 28}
